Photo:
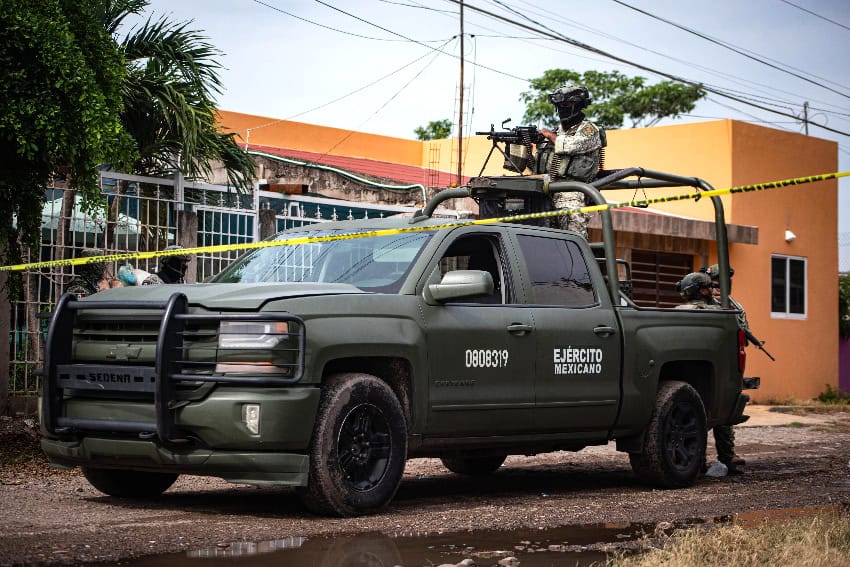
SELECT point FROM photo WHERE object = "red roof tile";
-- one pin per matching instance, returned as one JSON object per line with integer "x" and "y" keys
{"x": 404, "y": 174}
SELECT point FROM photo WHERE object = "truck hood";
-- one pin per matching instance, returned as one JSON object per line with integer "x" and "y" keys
{"x": 222, "y": 296}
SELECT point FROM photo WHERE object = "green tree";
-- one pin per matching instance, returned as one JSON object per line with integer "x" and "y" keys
{"x": 435, "y": 130}
{"x": 615, "y": 96}
{"x": 60, "y": 104}
{"x": 844, "y": 306}
{"x": 169, "y": 100}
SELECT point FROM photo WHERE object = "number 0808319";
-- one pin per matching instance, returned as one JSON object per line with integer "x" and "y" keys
{"x": 486, "y": 358}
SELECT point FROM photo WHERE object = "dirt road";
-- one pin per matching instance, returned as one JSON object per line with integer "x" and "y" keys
{"x": 793, "y": 461}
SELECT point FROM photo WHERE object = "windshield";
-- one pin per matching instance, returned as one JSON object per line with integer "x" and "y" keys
{"x": 373, "y": 263}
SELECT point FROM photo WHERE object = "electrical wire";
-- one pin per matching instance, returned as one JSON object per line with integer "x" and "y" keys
{"x": 839, "y": 24}
{"x": 734, "y": 48}
{"x": 545, "y": 31}
{"x": 355, "y": 91}
{"x": 358, "y": 18}
{"x": 282, "y": 11}
{"x": 767, "y": 91}
{"x": 380, "y": 108}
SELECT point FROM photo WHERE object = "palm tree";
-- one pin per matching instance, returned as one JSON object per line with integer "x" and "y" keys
{"x": 169, "y": 102}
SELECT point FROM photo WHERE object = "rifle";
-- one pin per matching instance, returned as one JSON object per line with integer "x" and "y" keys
{"x": 517, "y": 140}
{"x": 751, "y": 338}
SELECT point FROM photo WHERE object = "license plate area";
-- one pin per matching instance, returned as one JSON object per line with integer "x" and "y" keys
{"x": 106, "y": 378}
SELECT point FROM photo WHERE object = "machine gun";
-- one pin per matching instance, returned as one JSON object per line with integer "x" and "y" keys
{"x": 518, "y": 141}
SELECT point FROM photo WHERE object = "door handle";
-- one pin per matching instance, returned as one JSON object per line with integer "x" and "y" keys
{"x": 519, "y": 328}
{"x": 604, "y": 330}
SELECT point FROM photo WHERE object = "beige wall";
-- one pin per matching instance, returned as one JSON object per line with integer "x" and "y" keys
{"x": 265, "y": 131}
{"x": 806, "y": 350}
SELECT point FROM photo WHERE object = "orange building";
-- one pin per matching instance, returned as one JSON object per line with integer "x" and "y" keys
{"x": 783, "y": 242}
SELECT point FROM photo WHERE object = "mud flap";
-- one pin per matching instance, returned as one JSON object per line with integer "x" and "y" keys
{"x": 737, "y": 415}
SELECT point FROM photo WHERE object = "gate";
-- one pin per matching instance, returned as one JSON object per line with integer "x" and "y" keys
{"x": 143, "y": 214}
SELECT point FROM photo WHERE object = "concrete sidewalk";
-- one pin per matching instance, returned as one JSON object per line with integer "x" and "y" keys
{"x": 764, "y": 415}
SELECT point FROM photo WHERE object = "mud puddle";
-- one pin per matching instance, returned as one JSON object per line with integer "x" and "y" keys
{"x": 569, "y": 545}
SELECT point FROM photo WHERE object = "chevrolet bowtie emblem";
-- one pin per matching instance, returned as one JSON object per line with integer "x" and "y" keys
{"x": 124, "y": 352}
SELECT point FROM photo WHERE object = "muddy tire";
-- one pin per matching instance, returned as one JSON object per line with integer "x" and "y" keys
{"x": 129, "y": 484}
{"x": 474, "y": 466}
{"x": 359, "y": 447}
{"x": 673, "y": 452}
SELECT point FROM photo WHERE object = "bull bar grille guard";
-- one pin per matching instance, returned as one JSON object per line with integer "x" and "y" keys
{"x": 166, "y": 373}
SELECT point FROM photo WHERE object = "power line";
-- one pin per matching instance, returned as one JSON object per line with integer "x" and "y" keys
{"x": 282, "y": 11}
{"x": 380, "y": 108}
{"x": 529, "y": 8}
{"x": 839, "y": 24}
{"x": 545, "y": 31}
{"x": 358, "y": 18}
{"x": 730, "y": 47}
{"x": 348, "y": 94}
{"x": 417, "y": 5}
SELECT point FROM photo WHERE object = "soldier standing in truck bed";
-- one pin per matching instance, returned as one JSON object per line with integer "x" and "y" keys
{"x": 573, "y": 153}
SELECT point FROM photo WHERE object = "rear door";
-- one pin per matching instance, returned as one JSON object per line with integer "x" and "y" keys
{"x": 577, "y": 378}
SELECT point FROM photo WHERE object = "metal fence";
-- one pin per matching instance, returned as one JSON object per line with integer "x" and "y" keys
{"x": 146, "y": 214}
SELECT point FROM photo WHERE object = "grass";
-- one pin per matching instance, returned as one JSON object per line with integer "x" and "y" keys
{"x": 822, "y": 540}
{"x": 834, "y": 396}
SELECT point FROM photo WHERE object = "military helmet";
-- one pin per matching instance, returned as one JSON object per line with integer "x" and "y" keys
{"x": 172, "y": 259}
{"x": 713, "y": 271}
{"x": 691, "y": 284}
{"x": 570, "y": 94}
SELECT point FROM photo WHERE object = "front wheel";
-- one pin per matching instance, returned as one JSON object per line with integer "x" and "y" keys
{"x": 129, "y": 484}
{"x": 359, "y": 447}
{"x": 673, "y": 451}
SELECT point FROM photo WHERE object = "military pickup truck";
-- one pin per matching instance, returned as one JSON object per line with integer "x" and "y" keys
{"x": 326, "y": 364}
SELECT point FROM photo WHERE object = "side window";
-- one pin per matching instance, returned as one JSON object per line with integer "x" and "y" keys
{"x": 478, "y": 252}
{"x": 558, "y": 272}
{"x": 787, "y": 287}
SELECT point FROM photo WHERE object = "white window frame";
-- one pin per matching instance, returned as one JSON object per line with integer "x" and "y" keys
{"x": 785, "y": 314}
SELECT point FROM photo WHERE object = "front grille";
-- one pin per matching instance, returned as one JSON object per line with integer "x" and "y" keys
{"x": 155, "y": 351}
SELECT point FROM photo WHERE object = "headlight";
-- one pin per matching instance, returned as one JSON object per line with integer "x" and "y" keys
{"x": 251, "y": 334}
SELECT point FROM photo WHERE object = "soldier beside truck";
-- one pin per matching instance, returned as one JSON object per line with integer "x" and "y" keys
{"x": 326, "y": 364}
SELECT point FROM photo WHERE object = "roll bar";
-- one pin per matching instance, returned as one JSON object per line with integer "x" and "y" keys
{"x": 613, "y": 179}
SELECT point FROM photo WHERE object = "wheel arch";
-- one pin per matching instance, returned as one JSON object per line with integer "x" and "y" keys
{"x": 699, "y": 374}
{"x": 396, "y": 372}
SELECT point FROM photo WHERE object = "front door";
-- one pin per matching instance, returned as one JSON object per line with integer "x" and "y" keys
{"x": 480, "y": 350}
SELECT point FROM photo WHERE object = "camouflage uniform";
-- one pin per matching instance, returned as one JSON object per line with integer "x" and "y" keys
{"x": 695, "y": 288}
{"x": 724, "y": 435}
{"x": 698, "y": 304}
{"x": 576, "y": 157}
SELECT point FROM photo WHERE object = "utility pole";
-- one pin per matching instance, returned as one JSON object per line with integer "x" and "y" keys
{"x": 460, "y": 108}
{"x": 806, "y": 117}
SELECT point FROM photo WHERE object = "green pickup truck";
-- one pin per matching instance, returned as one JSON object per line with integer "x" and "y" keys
{"x": 326, "y": 365}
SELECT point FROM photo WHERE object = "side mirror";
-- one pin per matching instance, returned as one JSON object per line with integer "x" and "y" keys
{"x": 460, "y": 284}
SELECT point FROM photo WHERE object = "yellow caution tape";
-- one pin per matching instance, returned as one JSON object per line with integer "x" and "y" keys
{"x": 390, "y": 231}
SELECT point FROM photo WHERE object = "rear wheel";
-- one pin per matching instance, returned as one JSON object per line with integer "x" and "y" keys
{"x": 673, "y": 451}
{"x": 129, "y": 484}
{"x": 359, "y": 447}
{"x": 473, "y": 466}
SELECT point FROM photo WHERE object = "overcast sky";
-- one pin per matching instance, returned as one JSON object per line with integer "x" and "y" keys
{"x": 291, "y": 59}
